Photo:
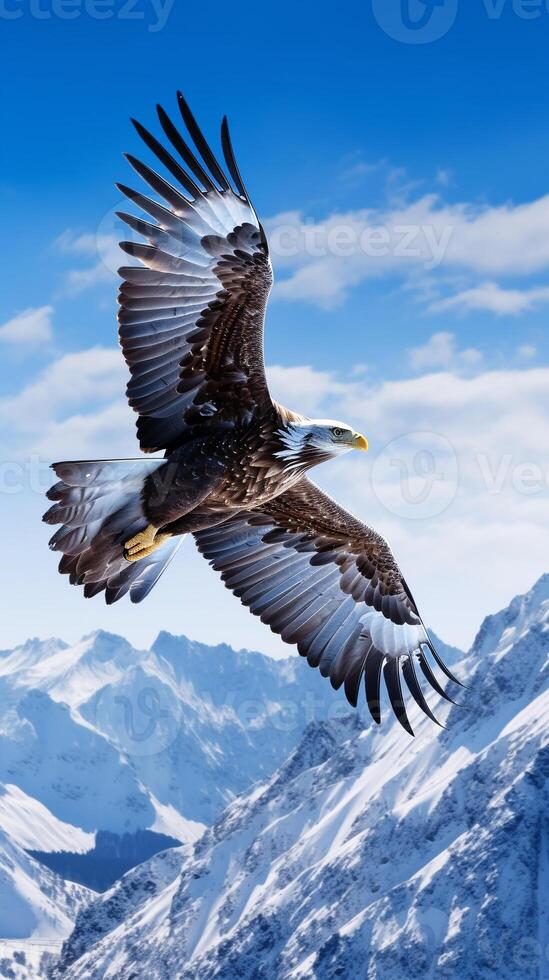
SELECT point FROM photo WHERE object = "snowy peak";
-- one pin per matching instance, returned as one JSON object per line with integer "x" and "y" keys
{"x": 500, "y": 631}
{"x": 101, "y": 646}
{"x": 319, "y": 743}
{"x": 29, "y": 653}
{"x": 507, "y": 668}
{"x": 68, "y": 673}
{"x": 108, "y": 737}
{"x": 215, "y": 671}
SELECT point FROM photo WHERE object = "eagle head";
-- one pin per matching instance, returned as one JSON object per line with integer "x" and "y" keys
{"x": 306, "y": 442}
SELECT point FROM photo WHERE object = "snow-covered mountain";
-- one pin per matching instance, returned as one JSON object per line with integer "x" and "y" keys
{"x": 100, "y": 739}
{"x": 37, "y": 907}
{"x": 113, "y": 738}
{"x": 366, "y": 853}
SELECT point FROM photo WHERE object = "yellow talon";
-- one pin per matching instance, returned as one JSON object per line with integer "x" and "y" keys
{"x": 144, "y": 543}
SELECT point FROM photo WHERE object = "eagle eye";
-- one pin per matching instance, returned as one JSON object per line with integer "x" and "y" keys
{"x": 337, "y": 432}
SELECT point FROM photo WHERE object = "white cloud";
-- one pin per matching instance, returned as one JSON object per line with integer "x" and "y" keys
{"x": 325, "y": 259}
{"x": 103, "y": 248}
{"x": 419, "y": 239}
{"x": 441, "y": 351}
{"x": 302, "y": 388}
{"x": 356, "y": 168}
{"x": 107, "y": 432}
{"x": 31, "y": 326}
{"x": 76, "y": 244}
{"x": 491, "y": 297}
{"x": 527, "y": 351}
{"x": 75, "y": 406}
{"x": 73, "y": 379}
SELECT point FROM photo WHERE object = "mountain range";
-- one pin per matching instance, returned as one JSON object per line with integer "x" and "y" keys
{"x": 109, "y": 753}
{"x": 313, "y": 843}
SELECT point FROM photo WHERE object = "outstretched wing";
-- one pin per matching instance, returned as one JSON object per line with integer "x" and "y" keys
{"x": 191, "y": 320}
{"x": 327, "y": 582}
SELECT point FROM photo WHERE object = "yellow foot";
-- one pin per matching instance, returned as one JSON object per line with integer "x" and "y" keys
{"x": 144, "y": 543}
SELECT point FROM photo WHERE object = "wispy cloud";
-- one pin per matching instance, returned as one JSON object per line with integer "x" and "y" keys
{"x": 303, "y": 385}
{"x": 323, "y": 260}
{"x": 443, "y": 177}
{"x": 494, "y": 299}
{"x": 102, "y": 249}
{"x": 416, "y": 238}
{"x": 441, "y": 351}
{"x": 527, "y": 351}
{"x": 356, "y": 168}
{"x": 31, "y": 326}
{"x": 75, "y": 405}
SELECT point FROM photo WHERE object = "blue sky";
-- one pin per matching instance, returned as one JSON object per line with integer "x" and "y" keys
{"x": 337, "y": 125}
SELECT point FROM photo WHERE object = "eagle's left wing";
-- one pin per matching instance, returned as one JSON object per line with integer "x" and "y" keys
{"x": 325, "y": 581}
{"x": 191, "y": 320}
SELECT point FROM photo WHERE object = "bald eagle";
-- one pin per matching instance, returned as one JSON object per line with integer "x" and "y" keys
{"x": 233, "y": 473}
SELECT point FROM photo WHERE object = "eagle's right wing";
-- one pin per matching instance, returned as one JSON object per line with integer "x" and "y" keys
{"x": 191, "y": 320}
{"x": 328, "y": 583}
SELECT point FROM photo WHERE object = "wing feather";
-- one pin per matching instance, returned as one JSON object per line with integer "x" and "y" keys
{"x": 328, "y": 583}
{"x": 196, "y": 309}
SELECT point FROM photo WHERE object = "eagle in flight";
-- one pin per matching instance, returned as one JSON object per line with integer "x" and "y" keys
{"x": 235, "y": 463}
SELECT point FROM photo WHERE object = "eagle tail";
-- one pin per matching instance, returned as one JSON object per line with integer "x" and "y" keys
{"x": 98, "y": 504}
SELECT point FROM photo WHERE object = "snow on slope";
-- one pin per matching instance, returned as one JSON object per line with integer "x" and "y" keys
{"x": 37, "y": 911}
{"x": 37, "y": 908}
{"x": 34, "y": 902}
{"x": 367, "y": 853}
{"x": 28, "y": 823}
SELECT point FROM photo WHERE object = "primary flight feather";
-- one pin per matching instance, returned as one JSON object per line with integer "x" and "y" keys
{"x": 234, "y": 468}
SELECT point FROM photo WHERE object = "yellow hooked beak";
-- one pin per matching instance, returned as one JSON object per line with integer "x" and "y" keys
{"x": 360, "y": 442}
